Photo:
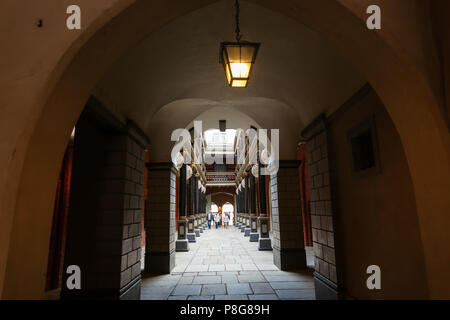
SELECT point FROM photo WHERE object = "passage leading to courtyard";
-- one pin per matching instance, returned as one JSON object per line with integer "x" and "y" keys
{"x": 224, "y": 265}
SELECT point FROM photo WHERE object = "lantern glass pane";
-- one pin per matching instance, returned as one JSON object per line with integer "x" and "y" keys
{"x": 234, "y": 53}
{"x": 247, "y": 53}
{"x": 240, "y": 69}
{"x": 240, "y": 53}
{"x": 228, "y": 73}
{"x": 239, "y": 83}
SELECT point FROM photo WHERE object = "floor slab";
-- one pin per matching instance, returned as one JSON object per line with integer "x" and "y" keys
{"x": 224, "y": 265}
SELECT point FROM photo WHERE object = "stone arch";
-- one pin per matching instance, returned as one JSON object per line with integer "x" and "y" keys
{"x": 220, "y": 198}
{"x": 33, "y": 157}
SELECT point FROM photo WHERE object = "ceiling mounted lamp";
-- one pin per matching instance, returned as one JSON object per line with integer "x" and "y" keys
{"x": 238, "y": 57}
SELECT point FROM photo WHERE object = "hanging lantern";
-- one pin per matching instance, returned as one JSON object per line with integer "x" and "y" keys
{"x": 238, "y": 57}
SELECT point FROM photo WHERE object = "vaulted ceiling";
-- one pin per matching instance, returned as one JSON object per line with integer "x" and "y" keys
{"x": 174, "y": 77}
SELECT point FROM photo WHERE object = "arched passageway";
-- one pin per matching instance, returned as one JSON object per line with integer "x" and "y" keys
{"x": 37, "y": 126}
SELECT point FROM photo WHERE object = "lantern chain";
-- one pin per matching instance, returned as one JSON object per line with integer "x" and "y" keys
{"x": 238, "y": 30}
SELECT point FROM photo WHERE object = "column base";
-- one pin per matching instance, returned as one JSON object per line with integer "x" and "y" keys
{"x": 242, "y": 228}
{"x": 289, "y": 259}
{"x": 325, "y": 289}
{"x": 254, "y": 236}
{"x": 265, "y": 244}
{"x": 197, "y": 232}
{"x": 247, "y": 232}
{"x": 182, "y": 245}
{"x": 132, "y": 291}
{"x": 191, "y": 237}
{"x": 159, "y": 262}
{"x": 200, "y": 228}
{"x": 238, "y": 225}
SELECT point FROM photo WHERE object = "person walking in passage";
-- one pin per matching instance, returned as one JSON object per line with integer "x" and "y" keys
{"x": 217, "y": 219}
{"x": 210, "y": 217}
{"x": 226, "y": 219}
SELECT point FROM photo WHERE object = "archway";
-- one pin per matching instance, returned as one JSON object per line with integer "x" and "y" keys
{"x": 410, "y": 96}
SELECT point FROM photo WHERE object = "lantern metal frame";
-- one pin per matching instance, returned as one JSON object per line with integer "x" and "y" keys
{"x": 225, "y": 59}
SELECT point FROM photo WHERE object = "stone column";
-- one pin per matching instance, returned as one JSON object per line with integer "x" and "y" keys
{"x": 265, "y": 242}
{"x": 104, "y": 219}
{"x": 288, "y": 243}
{"x": 160, "y": 218}
{"x": 254, "y": 235}
{"x": 182, "y": 243}
{"x": 191, "y": 209}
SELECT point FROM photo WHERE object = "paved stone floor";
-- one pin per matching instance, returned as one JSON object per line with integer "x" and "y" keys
{"x": 224, "y": 265}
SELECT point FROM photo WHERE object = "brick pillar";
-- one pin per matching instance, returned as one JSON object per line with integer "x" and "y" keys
{"x": 322, "y": 217}
{"x": 105, "y": 212}
{"x": 160, "y": 219}
{"x": 288, "y": 246}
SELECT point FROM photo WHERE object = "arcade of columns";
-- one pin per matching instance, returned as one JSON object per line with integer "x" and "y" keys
{"x": 250, "y": 205}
